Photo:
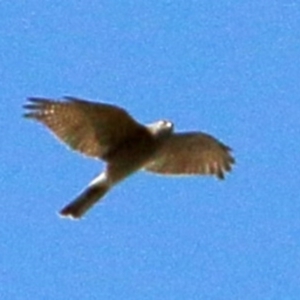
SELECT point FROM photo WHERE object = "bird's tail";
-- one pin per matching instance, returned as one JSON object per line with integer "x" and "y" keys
{"x": 77, "y": 208}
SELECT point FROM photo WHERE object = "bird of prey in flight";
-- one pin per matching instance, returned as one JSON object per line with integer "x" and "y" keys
{"x": 107, "y": 132}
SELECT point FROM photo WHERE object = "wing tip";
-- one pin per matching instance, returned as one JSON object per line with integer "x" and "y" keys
{"x": 220, "y": 175}
{"x": 33, "y": 107}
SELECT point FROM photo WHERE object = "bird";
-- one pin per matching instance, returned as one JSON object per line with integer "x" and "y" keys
{"x": 109, "y": 133}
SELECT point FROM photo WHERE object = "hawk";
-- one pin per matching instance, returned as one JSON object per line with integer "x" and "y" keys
{"x": 107, "y": 132}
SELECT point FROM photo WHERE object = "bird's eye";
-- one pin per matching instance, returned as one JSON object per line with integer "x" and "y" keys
{"x": 165, "y": 123}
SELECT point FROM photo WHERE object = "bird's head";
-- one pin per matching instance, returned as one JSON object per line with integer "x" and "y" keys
{"x": 161, "y": 128}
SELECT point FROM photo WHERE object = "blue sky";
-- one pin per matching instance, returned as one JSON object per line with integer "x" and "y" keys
{"x": 230, "y": 68}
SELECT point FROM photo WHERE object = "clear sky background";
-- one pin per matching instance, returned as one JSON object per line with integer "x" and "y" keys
{"x": 230, "y": 68}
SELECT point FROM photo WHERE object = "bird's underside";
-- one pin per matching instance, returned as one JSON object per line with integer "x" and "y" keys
{"x": 107, "y": 132}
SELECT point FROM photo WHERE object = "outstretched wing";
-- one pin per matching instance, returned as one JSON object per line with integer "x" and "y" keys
{"x": 191, "y": 153}
{"x": 91, "y": 128}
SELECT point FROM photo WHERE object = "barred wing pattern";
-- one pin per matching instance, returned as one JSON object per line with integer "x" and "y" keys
{"x": 91, "y": 128}
{"x": 191, "y": 153}
{"x": 108, "y": 132}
